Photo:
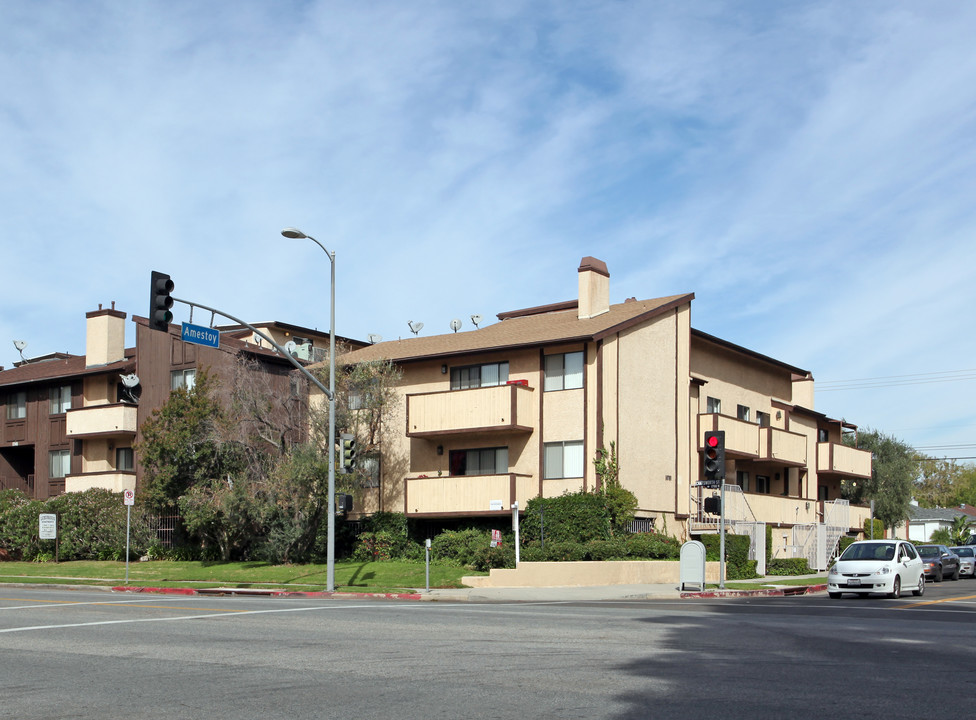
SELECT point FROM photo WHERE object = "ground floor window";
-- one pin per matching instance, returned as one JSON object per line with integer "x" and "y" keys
{"x": 368, "y": 470}
{"x": 742, "y": 480}
{"x": 762, "y": 484}
{"x": 483, "y": 461}
{"x": 563, "y": 460}
{"x": 124, "y": 459}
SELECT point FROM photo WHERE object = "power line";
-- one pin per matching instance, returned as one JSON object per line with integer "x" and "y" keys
{"x": 896, "y": 380}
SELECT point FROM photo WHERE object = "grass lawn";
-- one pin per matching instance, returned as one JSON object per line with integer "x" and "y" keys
{"x": 349, "y": 576}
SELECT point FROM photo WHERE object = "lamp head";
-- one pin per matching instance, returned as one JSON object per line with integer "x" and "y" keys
{"x": 293, "y": 233}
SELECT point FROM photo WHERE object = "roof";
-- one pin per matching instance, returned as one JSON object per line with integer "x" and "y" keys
{"x": 61, "y": 368}
{"x": 920, "y": 514}
{"x": 547, "y": 325}
{"x": 803, "y": 374}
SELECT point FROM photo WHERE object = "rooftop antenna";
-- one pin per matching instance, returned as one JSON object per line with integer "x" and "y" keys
{"x": 415, "y": 327}
{"x": 476, "y": 319}
{"x": 455, "y": 324}
{"x": 374, "y": 338}
{"x": 20, "y": 345}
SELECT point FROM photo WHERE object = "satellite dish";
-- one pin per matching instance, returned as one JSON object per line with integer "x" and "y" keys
{"x": 291, "y": 346}
{"x": 130, "y": 380}
{"x": 476, "y": 319}
{"x": 130, "y": 387}
{"x": 374, "y": 338}
{"x": 20, "y": 345}
{"x": 415, "y": 327}
{"x": 455, "y": 324}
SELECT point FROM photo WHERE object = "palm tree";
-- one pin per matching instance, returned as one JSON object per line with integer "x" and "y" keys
{"x": 960, "y": 529}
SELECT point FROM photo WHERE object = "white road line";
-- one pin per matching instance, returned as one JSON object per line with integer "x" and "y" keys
{"x": 49, "y": 604}
{"x": 182, "y": 617}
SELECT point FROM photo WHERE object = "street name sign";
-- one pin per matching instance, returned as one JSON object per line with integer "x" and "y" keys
{"x": 200, "y": 335}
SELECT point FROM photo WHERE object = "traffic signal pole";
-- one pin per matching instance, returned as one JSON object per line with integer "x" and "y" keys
{"x": 721, "y": 541}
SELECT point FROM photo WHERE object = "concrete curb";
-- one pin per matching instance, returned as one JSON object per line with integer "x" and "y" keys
{"x": 257, "y": 592}
{"x": 782, "y": 591}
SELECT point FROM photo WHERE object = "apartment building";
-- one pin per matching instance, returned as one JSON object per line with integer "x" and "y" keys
{"x": 519, "y": 409}
{"x": 70, "y": 422}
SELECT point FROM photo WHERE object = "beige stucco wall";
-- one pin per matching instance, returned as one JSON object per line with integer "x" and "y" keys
{"x": 586, "y": 574}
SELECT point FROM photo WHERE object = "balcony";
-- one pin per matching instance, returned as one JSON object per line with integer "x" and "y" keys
{"x": 114, "y": 480}
{"x": 741, "y": 437}
{"x": 467, "y": 494}
{"x": 783, "y": 447}
{"x": 505, "y": 408}
{"x": 837, "y": 459}
{"x": 104, "y": 420}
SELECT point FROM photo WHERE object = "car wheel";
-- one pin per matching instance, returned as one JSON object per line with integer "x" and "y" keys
{"x": 921, "y": 586}
{"x": 955, "y": 575}
{"x": 834, "y": 596}
{"x": 895, "y": 588}
{"x": 938, "y": 575}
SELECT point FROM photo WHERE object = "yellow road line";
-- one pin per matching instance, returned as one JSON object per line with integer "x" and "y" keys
{"x": 936, "y": 602}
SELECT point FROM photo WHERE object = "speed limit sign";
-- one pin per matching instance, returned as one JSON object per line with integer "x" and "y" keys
{"x": 129, "y": 497}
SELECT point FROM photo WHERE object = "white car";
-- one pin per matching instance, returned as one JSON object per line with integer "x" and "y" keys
{"x": 967, "y": 560}
{"x": 877, "y": 566}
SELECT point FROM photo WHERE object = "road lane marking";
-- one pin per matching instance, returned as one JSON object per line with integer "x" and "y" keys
{"x": 62, "y": 603}
{"x": 936, "y": 602}
{"x": 182, "y": 617}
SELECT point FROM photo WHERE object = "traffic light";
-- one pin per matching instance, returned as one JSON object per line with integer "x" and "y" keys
{"x": 160, "y": 302}
{"x": 713, "y": 505}
{"x": 347, "y": 441}
{"x": 343, "y": 503}
{"x": 715, "y": 455}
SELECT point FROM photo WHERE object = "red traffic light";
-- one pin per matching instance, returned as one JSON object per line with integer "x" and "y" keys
{"x": 711, "y": 440}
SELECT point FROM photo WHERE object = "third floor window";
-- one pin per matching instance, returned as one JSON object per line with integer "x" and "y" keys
{"x": 564, "y": 371}
{"x": 60, "y": 399}
{"x": 17, "y": 405}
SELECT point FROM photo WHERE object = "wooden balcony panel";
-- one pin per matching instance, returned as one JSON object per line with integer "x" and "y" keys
{"x": 115, "y": 419}
{"x": 114, "y": 480}
{"x": 783, "y": 447}
{"x": 495, "y": 409}
{"x": 741, "y": 437}
{"x": 467, "y": 494}
{"x": 838, "y": 459}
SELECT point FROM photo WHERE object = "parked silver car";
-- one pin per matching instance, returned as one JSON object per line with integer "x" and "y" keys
{"x": 967, "y": 560}
{"x": 877, "y": 566}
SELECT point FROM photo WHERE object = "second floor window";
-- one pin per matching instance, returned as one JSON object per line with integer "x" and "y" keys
{"x": 762, "y": 418}
{"x": 742, "y": 412}
{"x": 484, "y": 461}
{"x": 713, "y": 405}
{"x": 476, "y": 376}
{"x": 124, "y": 459}
{"x": 17, "y": 405}
{"x": 60, "y": 399}
{"x": 564, "y": 371}
{"x": 183, "y": 379}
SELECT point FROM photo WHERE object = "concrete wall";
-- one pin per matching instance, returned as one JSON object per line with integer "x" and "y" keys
{"x": 585, "y": 574}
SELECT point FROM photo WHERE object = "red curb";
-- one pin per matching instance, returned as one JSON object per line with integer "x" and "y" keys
{"x": 273, "y": 593}
{"x": 168, "y": 591}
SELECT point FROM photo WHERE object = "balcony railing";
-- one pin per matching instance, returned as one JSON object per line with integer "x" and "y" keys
{"x": 468, "y": 494}
{"x": 783, "y": 446}
{"x": 114, "y": 480}
{"x": 837, "y": 459}
{"x": 494, "y": 409}
{"x": 741, "y": 437}
{"x": 115, "y": 419}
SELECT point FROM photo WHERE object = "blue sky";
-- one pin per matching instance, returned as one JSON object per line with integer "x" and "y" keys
{"x": 808, "y": 170}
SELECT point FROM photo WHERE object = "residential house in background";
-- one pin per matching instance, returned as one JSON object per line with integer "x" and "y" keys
{"x": 519, "y": 409}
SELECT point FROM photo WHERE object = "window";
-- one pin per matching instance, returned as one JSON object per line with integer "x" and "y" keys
{"x": 742, "y": 412}
{"x": 476, "y": 376}
{"x": 762, "y": 484}
{"x": 60, "y": 463}
{"x": 17, "y": 405}
{"x": 822, "y": 435}
{"x": 484, "y": 461}
{"x": 368, "y": 470}
{"x": 60, "y": 399}
{"x": 564, "y": 371}
{"x": 713, "y": 405}
{"x": 742, "y": 480}
{"x": 762, "y": 418}
{"x": 124, "y": 459}
{"x": 563, "y": 460}
{"x": 183, "y": 379}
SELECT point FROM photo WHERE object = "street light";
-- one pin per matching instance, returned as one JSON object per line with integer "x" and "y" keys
{"x": 295, "y": 233}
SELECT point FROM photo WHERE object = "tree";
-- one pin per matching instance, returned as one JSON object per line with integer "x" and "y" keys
{"x": 620, "y": 502}
{"x": 940, "y": 484}
{"x": 960, "y": 531}
{"x": 894, "y": 468}
{"x": 182, "y": 445}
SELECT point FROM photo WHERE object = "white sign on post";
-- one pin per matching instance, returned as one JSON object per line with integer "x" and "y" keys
{"x": 129, "y": 497}
{"x": 47, "y": 526}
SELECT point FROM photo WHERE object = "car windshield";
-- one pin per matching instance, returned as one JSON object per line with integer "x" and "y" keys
{"x": 928, "y": 550}
{"x": 963, "y": 551}
{"x": 869, "y": 551}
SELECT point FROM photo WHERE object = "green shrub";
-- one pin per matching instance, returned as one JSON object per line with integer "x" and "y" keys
{"x": 738, "y": 566}
{"x": 615, "y": 549}
{"x": 788, "y": 566}
{"x": 378, "y": 546}
{"x": 653, "y": 546}
{"x": 571, "y": 517}
{"x": 486, "y": 558}
{"x": 18, "y": 524}
{"x": 844, "y": 543}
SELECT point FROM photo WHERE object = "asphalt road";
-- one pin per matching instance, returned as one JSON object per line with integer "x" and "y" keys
{"x": 86, "y": 654}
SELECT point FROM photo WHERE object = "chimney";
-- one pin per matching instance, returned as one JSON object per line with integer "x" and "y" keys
{"x": 594, "y": 288}
{"x": 105, "y": 337}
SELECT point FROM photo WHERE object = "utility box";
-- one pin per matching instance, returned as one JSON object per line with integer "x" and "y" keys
{"x": 691, "y": 571}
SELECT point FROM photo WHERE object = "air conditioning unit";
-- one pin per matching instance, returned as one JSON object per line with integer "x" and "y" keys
{"x": 304, "y": 352}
